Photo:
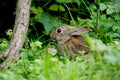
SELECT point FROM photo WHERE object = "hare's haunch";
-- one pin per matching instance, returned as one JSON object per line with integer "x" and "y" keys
{"x": 69, "y": 41}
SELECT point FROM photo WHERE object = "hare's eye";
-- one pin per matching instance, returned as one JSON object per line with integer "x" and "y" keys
{"x": 59, "y": 30}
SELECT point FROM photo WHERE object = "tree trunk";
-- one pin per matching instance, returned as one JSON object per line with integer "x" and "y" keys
{"x": 11, "y": 55}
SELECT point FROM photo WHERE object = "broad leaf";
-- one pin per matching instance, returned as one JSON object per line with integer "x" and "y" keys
{"x": 49, "y": 22}
{"x": 54, "y": 7}
{"x": 61, "y": 8}
{"x": 110, "y": 11}
{"x": 102, "y": 6}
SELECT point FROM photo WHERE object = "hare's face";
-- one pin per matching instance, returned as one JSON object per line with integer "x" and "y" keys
{"x": 61, "y": 34}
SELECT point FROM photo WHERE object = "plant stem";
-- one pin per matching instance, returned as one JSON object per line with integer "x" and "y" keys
{"x": 70, "y": 14}
{"x": 97, "y": 18}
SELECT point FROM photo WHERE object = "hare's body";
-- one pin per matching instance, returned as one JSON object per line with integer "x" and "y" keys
{"x": 69, "y": 41}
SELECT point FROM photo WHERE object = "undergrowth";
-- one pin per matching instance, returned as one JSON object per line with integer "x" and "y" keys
{"x": 36, "y": 63}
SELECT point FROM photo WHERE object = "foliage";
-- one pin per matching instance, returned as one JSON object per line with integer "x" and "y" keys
{"x": 4, "y": 42}
{"x": 104, "y": 16}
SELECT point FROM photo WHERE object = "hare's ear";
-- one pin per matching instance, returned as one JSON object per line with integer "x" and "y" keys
{"x": 80, "y": 30}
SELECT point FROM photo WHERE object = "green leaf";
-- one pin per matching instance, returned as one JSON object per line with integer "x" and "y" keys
{"x": 102, "y": 6}
{"x": 117, "y": 17}
{"x": 33, "y": 9}
{"x": 110, "y": 11}
{"x": 61, "y": 8}
{"x": 98, "y": 45}
{"x": 92, "y": 7}
{"x": 40, "y": 10}
{"x": 49, "y": 22}
{"x": 113, "y": 56}
{"x": 54, "y": 7}
{"x": 114, "y": 34}
{"x": 35, "y": 46}
{"x": 70, "y": 1}
{"x": 65, "y": 1}
{"x": 9, "y": 32}
{"x": 37, "y": 11}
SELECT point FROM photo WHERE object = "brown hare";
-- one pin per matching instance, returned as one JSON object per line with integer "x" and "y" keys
{"x": 69, "y": 41}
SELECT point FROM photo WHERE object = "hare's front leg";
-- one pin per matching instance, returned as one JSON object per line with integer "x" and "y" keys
{"x": 72, "y": 50}
{"x": 62, "y": 49}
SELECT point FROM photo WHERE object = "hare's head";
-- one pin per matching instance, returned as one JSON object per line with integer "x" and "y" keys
{"x": 63, "y": 33}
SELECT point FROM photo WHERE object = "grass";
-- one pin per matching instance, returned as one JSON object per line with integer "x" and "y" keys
{"x": 48, "y": 67}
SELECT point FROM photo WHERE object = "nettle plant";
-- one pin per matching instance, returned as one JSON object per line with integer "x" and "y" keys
{"x": 104, "y": 20}
{"x": 110, "y": 21}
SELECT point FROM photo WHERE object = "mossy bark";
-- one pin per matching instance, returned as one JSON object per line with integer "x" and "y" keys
{"x": 12, "y": 53}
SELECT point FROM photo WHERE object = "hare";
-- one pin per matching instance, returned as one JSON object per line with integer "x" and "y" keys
{"x": 69, "y": 41}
